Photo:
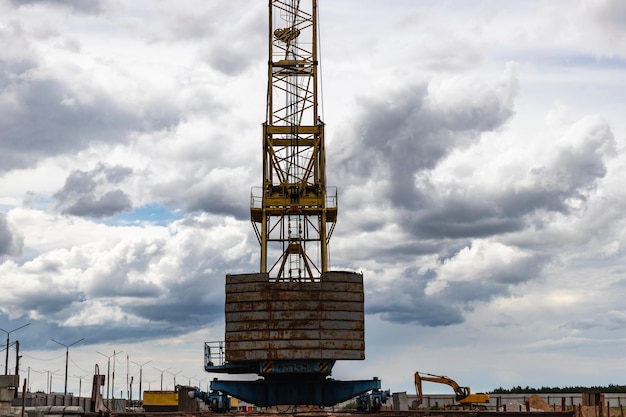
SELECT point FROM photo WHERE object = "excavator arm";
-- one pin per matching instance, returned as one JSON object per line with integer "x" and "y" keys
{"x": 462, "y": 395}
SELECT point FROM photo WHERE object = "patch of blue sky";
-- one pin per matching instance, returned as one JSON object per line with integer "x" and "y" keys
{"x": 154, "y": 213}
{"x": 38, "y": 202}
{"x": 586, "y": 60}
{"x": 565, "y": 59}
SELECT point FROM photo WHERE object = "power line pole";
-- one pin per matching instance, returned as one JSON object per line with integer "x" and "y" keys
{"x": 140, "y": 365}
{"x": 108, "y": 370}
{"x": 162, "y": 370}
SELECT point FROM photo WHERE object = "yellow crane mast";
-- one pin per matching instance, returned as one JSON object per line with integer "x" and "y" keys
{"x": 293, "y": 214}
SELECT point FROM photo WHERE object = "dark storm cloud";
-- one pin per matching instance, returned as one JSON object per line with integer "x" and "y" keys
{"x": 412, "y": 249}
{"x": 405, "y": 135}
{"x": 484, "y": 214}
{"x": 52, "y": 301}
{"x": 410, "y": 131}
{"x": 189, "y": 305}
{"x": 607, "y": 16}
{"x": 244, "y": 44}
{"x": 110, "y": 203}
{"x": 189, "y": 302}
{"x": 218, "y": 201}
{"x": 190, "y": 291}
{"x": 37, "y": 335}
{"x": 116, "y": 301}
{"x": 85, "y": 193}
{"x": 38, "y": 123}
{"x": 11, "y": 243}
{"x": 571, "y": 175}
{"x": 83, "y": 6}
{"x": 232, "y": 59}
{"x": 404, "y": 301}
{"x": 403, "y": 138}
{"x": 457, "y": 218}
{"x": 186, "y": 307}
{"x": 44, "y": 117}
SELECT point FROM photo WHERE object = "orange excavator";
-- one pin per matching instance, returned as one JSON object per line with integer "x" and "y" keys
{"x": 462, "y": 395}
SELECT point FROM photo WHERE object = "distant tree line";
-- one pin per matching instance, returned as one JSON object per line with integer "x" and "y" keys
{"x": 611, "y": 388}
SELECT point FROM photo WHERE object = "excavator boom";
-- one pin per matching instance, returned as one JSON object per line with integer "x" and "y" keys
{"x": 462, "y": 395}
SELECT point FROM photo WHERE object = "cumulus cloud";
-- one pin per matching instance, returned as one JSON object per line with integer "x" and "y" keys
{"x": 83, "y": 6}
{"x": 408, "y": 132}
{"x": 607, "y": 17}
{"x": 88, "y": 193}
{"x": 69, "y": 125}
{"x": 404, "y": 301}
{"x": 467, "y": 214}
{"x": 560, "y": 183}
{"x": 215, "y": 193}
{"x": 398, "y": 155}
{"x": 166, "y": 279}
{"x": 11, "y": 242}
{"x": 441, "y": 294}
{"x": 67, "y": 104}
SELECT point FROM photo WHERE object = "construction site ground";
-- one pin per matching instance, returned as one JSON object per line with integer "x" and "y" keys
{"x": 534, "y": 406}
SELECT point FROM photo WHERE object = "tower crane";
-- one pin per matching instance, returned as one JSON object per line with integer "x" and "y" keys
{"x": 290, "y": 322}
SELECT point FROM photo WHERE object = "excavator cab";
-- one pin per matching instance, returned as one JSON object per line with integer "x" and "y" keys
{"x": 461, "y": 393}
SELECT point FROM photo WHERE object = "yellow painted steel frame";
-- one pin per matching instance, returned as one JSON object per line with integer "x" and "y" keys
{"x": 292, "y": 213}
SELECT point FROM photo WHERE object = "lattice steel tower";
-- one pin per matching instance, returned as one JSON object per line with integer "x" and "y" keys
{"x": 293, "y": 213}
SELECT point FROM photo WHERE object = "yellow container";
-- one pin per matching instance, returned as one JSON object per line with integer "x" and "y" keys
{"x": 168, "y": 398}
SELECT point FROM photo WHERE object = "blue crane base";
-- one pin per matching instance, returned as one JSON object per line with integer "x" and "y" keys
{"x": 294, "y": 391}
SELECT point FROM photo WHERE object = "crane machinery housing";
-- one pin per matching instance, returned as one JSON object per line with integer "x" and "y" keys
{"x": 462, "y": 395}
{"x": 291, "y": 321}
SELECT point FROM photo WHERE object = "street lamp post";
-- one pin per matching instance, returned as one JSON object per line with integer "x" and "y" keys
{"x": 49, "y": 379}
{"x": 6, "y": 362}
{"x": 42, "y": 372}
{"x": 164, "y": 370}
{"x": 109, "y": 369}
{"x": 140, "y": 365}
{"x": 189, "y": 379}
{"x": 200, "y": 384}
{"x": 67, "y": 357}
{"x": 80, "y": 382}
{"x": 150, "y": 384}
{"x": 174, "y": 375}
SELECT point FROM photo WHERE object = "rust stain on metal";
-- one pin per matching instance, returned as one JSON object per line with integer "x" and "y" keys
{"x": 289, "y": 320}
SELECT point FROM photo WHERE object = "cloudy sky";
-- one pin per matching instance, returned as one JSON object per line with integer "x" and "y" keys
{"x": 478, "y": 147}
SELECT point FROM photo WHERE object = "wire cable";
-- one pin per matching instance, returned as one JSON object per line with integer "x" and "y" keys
{"x": 40, "y": 359}
{"x": 319, "y": 63}
{"x": 78, "y": 366}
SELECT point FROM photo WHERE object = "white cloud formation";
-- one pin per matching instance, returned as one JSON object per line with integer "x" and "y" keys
{"x": 477, "y": 148}
{"x": 11, "y": 242}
